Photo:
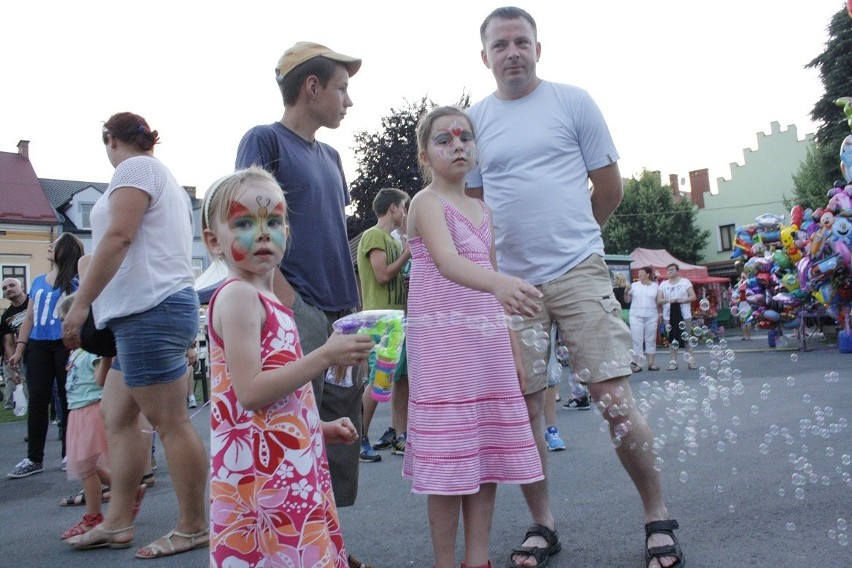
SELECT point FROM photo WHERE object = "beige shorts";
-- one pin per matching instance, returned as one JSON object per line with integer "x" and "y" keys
{"x": 582, "y": 304}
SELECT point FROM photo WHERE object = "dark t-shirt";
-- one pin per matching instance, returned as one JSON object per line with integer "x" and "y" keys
{"x": 619, "y": 295}
{"x": 12, "y": 318}
{"x": 317, "y": 263}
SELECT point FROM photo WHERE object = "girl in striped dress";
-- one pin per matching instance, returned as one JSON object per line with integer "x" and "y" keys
{"x": 468, "y": 424}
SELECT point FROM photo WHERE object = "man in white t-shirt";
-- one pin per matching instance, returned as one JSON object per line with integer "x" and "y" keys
{"x": 539, "y": 145}
{"x": 676, "y": 296}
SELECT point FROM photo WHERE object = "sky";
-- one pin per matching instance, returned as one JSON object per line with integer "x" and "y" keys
{"x": 684, "y": 85}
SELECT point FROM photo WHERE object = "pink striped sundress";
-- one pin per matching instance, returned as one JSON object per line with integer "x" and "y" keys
{"x": 467, "y": 421}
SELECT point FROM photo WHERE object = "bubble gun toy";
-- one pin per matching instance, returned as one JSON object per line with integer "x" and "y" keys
{"x": 387, "y": 327}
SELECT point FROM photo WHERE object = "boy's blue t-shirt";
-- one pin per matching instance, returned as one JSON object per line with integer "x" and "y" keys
{"x": 317, "y": 263}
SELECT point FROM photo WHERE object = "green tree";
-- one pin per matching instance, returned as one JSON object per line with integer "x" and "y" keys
{"x": 388, "y": 158}
{"x": 651, "y": 217}
{"x": 809, "y": 181}
{"x": 834, "y": 64}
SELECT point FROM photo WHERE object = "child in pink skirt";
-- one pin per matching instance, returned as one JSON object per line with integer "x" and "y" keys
{"x": 86, "y": 433}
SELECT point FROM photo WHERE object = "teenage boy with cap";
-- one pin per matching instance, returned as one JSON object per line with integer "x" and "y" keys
{"x": 318, "y": 279}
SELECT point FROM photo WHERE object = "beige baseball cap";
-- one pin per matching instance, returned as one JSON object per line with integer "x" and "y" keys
{"x": 305, "y": 50}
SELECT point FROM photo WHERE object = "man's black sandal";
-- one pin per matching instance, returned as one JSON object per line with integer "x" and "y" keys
{"x": 541, "y": 555}
{"x": 663, "y": 527}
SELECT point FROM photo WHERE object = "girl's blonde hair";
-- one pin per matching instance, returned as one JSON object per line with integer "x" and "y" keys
{"x": 64, "y": 305}
{"x": 620, "y": 280}
{"x": 223, "y": 191}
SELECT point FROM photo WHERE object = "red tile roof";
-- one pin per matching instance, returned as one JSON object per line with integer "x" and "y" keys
{"x": 22, "y": 199}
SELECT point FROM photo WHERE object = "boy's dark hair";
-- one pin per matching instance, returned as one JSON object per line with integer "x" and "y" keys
{"x": 322, "y": 67}
{"x": 387, "y": 197}
{"x": 673, "y": 264}
{"x": 507, "y": 13}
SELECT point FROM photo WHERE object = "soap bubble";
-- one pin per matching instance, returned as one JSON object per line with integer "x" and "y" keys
{"x": 516, "y": 322}
{"x": 791, "y": 526}
{"x": 794, "y": 357}
{"x": 540, "y": 345}
{"x": 704, "y": 305}
{"x": 539, "y": 366}
{"x": 562, "y": 353}
{"x": 684, "y": 477}
{"x": 791, "y": 381}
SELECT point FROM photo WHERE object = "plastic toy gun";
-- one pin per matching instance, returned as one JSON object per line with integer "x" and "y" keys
{"x": 387, "y": 328}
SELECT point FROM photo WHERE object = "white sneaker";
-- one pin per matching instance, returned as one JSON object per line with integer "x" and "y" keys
{"x": 190, "y": 401}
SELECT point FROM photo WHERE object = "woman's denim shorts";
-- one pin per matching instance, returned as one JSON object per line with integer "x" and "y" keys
{"x": 152, "y": 344}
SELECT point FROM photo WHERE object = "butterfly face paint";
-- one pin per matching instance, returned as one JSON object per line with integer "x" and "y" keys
{"x": 254, "y": 228}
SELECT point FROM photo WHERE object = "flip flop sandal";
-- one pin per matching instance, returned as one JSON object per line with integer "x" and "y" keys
{"x": 80, "y": 498}
{"x": 196, "y": 540}
{"x": 666, "y": 527}
{"x": 99, "y": 538}
{"x": 541, "y": 555}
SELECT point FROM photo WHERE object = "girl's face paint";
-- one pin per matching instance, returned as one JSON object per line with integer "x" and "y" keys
{"x": 451, "y": 144}
{"x": 255, "y": 235}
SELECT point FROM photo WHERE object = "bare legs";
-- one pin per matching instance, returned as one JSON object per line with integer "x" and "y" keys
{"x": 92, "y": 490}
{"x": 633, "y": 449}
{"x": 130, "y": 449}
{"x": 536, "y": 494}
{"x": 165, "y": 408}
{"x": 550, "y": 405}
{"x": 477, "y": 510}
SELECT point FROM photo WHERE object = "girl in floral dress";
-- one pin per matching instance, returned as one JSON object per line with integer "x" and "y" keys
{"x": 270, "y": 491}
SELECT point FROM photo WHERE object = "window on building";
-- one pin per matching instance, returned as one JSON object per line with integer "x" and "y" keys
{"x": 726, "y": 237}
{"x": 85, "y": 212}
{"x": 15, "y": 271}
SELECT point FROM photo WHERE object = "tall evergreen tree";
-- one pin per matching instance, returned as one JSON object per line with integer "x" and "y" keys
{"x": 835, "y": 70}
{"x": 651, "y": 217}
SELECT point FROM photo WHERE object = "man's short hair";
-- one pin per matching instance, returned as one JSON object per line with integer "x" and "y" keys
{"x": 387, "y": 197}
{"x": 507, "y": 13}
{"x": 676, "y": 267}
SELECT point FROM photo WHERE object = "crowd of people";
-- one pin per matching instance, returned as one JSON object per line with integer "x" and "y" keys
{"x": 505, "y": 233}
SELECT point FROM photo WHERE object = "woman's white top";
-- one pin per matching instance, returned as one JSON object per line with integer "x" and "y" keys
{"x": 159, "y": 260}
{"x": 643, "y": 299}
